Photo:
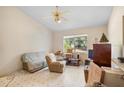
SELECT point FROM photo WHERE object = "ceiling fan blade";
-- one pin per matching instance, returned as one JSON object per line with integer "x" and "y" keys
{"x": 57, "y": 14}
{"x": 65, "y": 19}
{"x": 66, "y": 12}
{"x": 46, "y": 17}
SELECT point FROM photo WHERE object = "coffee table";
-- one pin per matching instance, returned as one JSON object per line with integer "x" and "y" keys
{"x": 73, "y": 62}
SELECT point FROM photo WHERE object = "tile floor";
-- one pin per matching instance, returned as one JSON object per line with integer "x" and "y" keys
{"x": 71, "y": 77}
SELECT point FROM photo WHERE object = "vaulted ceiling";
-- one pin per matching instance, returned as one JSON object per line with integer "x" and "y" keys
{"x": 77, "y": 16}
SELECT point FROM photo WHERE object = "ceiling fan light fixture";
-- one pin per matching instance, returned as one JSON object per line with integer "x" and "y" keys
{"x": 57, "y": 20}
{"x": 57, "y": 15}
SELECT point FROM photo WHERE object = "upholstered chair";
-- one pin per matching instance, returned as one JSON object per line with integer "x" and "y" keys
{"x": 54, "y": 65}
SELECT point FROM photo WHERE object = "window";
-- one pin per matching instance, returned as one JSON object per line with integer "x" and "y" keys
{"x": 77, "y": 42}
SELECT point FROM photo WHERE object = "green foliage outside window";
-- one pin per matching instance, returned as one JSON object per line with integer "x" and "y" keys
{"x": 76, "y": 43}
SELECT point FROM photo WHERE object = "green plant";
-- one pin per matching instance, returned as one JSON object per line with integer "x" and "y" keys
{"x": 75, "y": 42}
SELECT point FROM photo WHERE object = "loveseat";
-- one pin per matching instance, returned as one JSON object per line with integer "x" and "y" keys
{"x": 33, "y": 61}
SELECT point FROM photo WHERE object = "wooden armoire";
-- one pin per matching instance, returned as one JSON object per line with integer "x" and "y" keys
{"x": 102, "y": 54}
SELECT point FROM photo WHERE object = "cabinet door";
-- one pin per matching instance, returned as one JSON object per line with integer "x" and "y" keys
{"x": 102, "y": 54}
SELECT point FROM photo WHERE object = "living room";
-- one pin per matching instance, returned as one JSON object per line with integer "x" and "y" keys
{"x": 26, "y": 30}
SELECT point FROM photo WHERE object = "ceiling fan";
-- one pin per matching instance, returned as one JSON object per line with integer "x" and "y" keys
{"x": 57, "y": 15}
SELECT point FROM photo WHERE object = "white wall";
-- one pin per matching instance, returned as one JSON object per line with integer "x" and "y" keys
{"x": 19, "y": 34}
{"x": 115, "y": 31}
{"x": 92, "y": 33}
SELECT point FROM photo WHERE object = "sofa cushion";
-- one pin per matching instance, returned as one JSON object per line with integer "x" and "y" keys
{"x": 63, "y": 62}
{"x": 35, "y": 65}
{"x": 59, "y": 58}
{"x": 34, "y": 57}
{"x": 52, "y": 57}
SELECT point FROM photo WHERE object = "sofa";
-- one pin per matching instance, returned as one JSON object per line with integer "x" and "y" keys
{"x": 33, "y": 61}
{"x": 55, "y": 65}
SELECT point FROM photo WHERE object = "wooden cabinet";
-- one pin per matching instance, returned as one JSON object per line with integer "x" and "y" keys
{"x": 102, "y": 54}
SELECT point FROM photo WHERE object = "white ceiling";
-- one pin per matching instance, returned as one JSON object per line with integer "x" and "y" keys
{"x": 77, "y": 17}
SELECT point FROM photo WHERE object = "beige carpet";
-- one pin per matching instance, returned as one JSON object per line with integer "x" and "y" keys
{"x": 71, "y": 77}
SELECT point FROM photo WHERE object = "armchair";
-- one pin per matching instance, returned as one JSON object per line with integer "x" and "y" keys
{"x": 54, "y": 65}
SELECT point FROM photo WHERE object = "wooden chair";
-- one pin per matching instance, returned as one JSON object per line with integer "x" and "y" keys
{"x": 70, "y": 50}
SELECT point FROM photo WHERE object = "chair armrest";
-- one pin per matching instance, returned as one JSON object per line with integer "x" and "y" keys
{"x": 56, "y": 64}
{"x": 56, "y": 67}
